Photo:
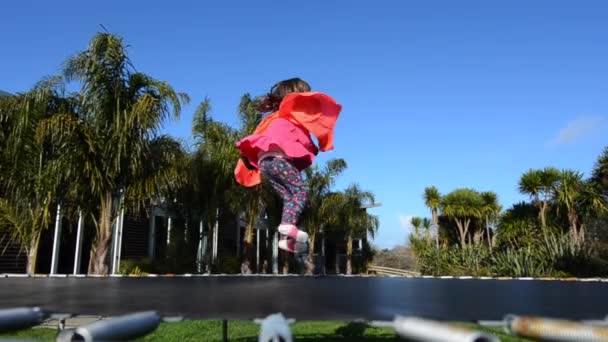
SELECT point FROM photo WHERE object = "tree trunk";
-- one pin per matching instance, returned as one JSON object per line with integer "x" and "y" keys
{"x": 467, "y": 222}
{"x": 436, "y": 224}
{"x": 349, "y": 254}
{"x": 488, "y": 232}
{"x": 99, "y": 250}
{"x": 248, "y": 250}
{"x": 543, "y": 219}
{"x": 337, "y": 261}
{"x": 573, "y": 227}
{"x": 32, "y": 253}
{"x": 462, "y": 233}
{"x": 311, "y": 252}
{"x": 285, "y": 263}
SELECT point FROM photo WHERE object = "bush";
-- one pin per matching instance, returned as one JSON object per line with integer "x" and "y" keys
{"x": 472, "y": 260}
{"x": 523, "y": 262}
{"x": 555, "y": 256}
{"x": 227, "y": 265}
{"x": 137, "y": 266}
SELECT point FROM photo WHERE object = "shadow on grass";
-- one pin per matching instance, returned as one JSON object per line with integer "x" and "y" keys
{"x": 331, "y": 338}
{"x": 356, "y": 332}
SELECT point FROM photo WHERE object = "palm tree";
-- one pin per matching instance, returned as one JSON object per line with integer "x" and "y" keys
{"x": 566, "y": 194}
{"x": 462, "y": 205}
{"x": 212, "y": 167}
{"x": 31, "y": 178}
{"x": 352, "y": 217}
{"x": 600, "y": 173}
{"x": 121, "y": 113}
{"x": 490, "y": 211}
{"x": 416, "y": 222}
{"x": 579, "y": 199}
{"x": 599, "y": 184}
{"x": 249, "y": 117}
{"x": 426, "y": 224}
{"x": 318, "y": 207}
{"x": 432, "y": 199}
{"x": 540, "y": 185}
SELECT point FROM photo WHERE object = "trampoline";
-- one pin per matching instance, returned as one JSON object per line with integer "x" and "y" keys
{"x": 345, "y": 298}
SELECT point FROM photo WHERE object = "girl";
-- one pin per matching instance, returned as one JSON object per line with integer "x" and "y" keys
{"x": 281, "y": 147}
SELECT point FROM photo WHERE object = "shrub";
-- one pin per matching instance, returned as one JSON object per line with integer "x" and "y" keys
{"x": 553, "y": 256}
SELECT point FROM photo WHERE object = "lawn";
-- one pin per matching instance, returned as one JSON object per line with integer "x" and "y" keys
{"x": 191, "y": 330}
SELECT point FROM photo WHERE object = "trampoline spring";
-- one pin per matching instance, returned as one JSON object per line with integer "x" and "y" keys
{"x": 119, "y": 328}
{"x": 419, "y": 329}
{"x": 546, "y": 329}
{"x": 20, "y": 318}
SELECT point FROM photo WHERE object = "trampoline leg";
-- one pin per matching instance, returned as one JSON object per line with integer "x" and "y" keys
{"x": 225, "y": 330}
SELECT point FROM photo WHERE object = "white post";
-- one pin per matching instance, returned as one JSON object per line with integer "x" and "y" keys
{"x": 186, "y": 231}
{"x": 117, "y": 239}
{"x": 257, "y": 253}
{"x": 169, "y": 221}
{"x": 323, "y": 251}
{"x": 215, "y": 233}
{"x": 266, "y": 242}
{"x": 152, "y": 237}
{"x": 56, "y": 241}
{"x": 199, "y": 252}
{"x": 78, "y": 252}
{"x": 275, "y": 253}
{"x": 204, "y": 251}
{"x": 121, "y": 224}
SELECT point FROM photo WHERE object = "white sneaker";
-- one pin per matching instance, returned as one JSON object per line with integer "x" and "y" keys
{"x": 293, "y": 232}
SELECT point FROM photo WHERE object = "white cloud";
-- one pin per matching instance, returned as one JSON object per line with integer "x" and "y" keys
{"x": 405, "y": 222}
{"x": 578, "y": 128}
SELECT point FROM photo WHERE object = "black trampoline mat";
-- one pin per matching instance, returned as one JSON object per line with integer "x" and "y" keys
{"x": 310, "y": 298}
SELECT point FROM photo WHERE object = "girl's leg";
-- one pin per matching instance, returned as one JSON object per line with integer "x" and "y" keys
{"x": 286, "y": 180}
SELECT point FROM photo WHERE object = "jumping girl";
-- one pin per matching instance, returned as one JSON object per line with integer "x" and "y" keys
{"x": 281, "y": 147}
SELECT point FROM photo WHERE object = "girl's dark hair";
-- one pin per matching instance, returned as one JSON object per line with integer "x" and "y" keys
{"x": 271, "y": 101}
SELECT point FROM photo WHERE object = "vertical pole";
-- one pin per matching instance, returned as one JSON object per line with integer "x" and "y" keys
{"x": 169, "y": 221}
{"x": 199, "y": 254}
{"x": 78, "y": 252}
{"x": 323, "y": 252}
{"x": 257, "y": 252}
{"x": 225, "y": 330}
{"x": 56, "y": 241}
{"x": 121, "y": 224}
{"x": 275, "y": 253}
{"x": 215, "y": 233}
{"x": 266, "y": 243}
{"x": 117, "y": 238}
{"x": 186, "y": 230}
{"x": 152, "y": 237}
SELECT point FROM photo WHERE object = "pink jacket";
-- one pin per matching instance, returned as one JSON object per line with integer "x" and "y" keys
{"x": 288, "y": 131}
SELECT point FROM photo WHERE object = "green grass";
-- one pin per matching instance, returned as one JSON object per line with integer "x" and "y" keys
{"x": 191, "y": 330}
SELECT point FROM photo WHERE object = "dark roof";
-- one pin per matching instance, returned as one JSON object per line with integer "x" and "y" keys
{"x": 3, "y": 93}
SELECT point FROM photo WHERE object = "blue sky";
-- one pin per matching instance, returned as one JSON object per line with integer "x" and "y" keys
{"x": 446, "y": 93}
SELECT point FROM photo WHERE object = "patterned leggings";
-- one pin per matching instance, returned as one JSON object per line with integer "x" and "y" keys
{"x": 287, "y": 181}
